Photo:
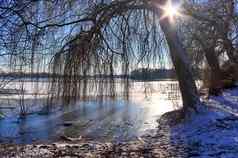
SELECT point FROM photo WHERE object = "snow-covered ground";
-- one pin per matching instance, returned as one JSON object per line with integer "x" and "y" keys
{"x": 214, "y": 132}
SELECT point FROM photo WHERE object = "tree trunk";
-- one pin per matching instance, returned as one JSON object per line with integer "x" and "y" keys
{"x": 182, "y": 66}
{"x": 215, "y": 79}
{"x": 228, "y": 22}
{"x": 230, "y": 50}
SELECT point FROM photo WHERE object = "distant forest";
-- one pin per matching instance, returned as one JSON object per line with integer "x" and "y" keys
{"x": 137, "y": 74}
{"x": 146, "y": 74}
{"x": 152, "y": 74}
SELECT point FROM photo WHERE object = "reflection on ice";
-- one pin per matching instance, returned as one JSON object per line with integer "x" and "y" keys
{"x": 114, "y": 120}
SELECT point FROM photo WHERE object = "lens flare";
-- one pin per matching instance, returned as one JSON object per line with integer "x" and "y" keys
{"x": 170, "y": 11}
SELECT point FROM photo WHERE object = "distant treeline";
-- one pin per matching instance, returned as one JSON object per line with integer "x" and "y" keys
{"x": 25, "y": 75}
{"x": 50, "y": 75}
{"x": 152, "y": 74}
{"x": 138, "y": 74}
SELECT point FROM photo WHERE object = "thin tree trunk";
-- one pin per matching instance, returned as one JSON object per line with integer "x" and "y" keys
{"x": 215, "y": 78}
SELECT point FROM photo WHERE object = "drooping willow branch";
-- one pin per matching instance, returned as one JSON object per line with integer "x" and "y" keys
{"x": 122, "y": 37}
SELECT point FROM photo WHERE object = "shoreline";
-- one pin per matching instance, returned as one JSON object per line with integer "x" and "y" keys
{"x": 211, "y": 133}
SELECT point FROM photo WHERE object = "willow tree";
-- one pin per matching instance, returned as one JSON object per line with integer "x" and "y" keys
{"x": 210, "y": 34}
{"x": 107, "y": 37}
{"x": 98, "y": 47}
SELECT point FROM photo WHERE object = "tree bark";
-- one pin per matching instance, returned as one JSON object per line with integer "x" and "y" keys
{"x": 230, "y": 50}
{"x": 230, "y": 9}
{"x": 215, "y": 78}
{"x": 182, "y": 66}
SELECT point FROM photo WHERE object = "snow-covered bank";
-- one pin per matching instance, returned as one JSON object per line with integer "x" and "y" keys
{"x": 212, "y": 133}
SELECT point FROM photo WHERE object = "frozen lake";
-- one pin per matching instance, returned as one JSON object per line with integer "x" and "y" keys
{"x": 110, "y": 120}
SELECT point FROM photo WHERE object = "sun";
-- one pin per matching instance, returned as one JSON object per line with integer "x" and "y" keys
{"x": 170, "y": 11}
